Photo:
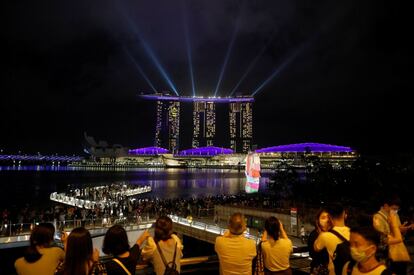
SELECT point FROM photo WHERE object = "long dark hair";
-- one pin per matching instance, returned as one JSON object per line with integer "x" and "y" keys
{"x": 78, "y": 251}
{"x": 40, "y": 236}
{"x": 272, "y": 226}
{"x": 163, "y": 229}
{"x": 115, "y": 241}
{"x": 318, "y": 227}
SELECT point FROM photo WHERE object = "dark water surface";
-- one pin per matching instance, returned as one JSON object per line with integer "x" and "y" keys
{"x": 33, "y": 184}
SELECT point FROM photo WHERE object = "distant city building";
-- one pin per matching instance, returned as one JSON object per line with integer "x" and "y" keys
{"x": 102, "y": 150}
{"x": 306, "y": 154}
{"x": 167, "y": 127}
{"x": 241, "y": 126}
{"x": 204, "y": 124}
{"x": 167, "y": 130}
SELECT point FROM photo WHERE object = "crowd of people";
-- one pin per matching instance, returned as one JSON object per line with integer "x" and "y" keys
{"x": 79, "y": 257}
{"x": 15, "y": 221}
{"x": 374, "y": 246}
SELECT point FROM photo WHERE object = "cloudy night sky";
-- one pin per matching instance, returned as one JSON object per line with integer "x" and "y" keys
{"x": 337, "y": 72}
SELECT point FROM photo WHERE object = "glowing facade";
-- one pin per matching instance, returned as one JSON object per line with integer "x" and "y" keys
{"x": 167, "y": 128}
{"x": 204, "y": 124}
{"x": 204, "y": 130}
{"x": 241, "y": 126}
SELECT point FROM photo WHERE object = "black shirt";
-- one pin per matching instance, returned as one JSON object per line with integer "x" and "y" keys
{"x": 130, "y": 262}
{"x": 318, "y": 258}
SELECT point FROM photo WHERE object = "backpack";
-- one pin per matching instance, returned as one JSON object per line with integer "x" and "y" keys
{"x": 342, "y": 253}
{"x": 352, "y": 264}
{"x": 169, "y": 270}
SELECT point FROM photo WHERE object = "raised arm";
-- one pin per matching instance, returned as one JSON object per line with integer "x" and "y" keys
{"x": 395, "y": 236}
{"x": 144, "y": 236}
{"x": 283, "y": 232}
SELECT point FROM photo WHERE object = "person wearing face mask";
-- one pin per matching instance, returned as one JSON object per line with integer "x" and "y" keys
{"x": 364, "y": 242}
{"x": 387, "y": 222}
{"x": 320, "y": 260}
{"x": 333, "y": 238}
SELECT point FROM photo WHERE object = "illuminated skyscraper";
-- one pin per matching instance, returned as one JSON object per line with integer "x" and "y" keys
{"x": 204, "y": 124}
{"x": 167, "y": 128}
{"x": 204, "y": 132}
{"x": 241, "y": 126}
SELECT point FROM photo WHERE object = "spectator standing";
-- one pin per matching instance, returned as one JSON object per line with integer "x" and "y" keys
{"x": 81, "y": 258}
{"x": 164, "y": 242}
{"x": 330, "y": 240}
{"x": 364, "y": 242}
{"x": 302, "y": 234}
{"x": 276, "y": 248}
{"x": 235, "y": 251}
{"x": 387, "y": 222}
{"x": 40, "y": 257}
{"x": 125, "y": 258}
{"x": 320, "y": 259}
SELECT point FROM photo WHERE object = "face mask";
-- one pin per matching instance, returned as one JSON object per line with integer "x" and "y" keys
{"x": 359, "y": 255}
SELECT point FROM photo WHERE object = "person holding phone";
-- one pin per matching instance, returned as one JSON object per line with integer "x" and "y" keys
{"x": 80, "y": 258}
{"x": 125, "y": 258}
{"x": 276, "y": 248}
{"x": 41, "y": 257}
{"x": 387, "y": 222}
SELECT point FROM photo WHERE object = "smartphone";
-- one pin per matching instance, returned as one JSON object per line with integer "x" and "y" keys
{"x": 58, "y": 235}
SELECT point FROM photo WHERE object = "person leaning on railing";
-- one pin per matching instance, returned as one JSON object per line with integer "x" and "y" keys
{"x": 41, "y": 257}
{"x": 80, "y": 258}
{"x": 165, "y": 245}
{"x": 125, "y": 258}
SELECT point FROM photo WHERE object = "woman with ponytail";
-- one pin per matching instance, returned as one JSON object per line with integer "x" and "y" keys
{"x": 40, "y": 257}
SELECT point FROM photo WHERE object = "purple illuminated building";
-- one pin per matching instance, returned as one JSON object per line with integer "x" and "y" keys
{"x": 204, "y": 130}
{"x": 148, "y": 151}
{"x": 161, "y": 97}
{"x": 306, "y": 148}
{"x": 206, "y": 151}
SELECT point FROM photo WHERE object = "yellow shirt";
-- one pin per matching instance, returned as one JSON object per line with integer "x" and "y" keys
{"x": 45, "y": 265}
{"x": 276, "y": 254}
{"x": 355, "y": 270}
{"x": 330, "y": 241}
{"x": 235, "y": 254}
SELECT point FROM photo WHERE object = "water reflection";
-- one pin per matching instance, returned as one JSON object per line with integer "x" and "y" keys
{"x": 33, "y": 184}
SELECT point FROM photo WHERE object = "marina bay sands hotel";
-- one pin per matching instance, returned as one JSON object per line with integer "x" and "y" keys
{"x": 238, "y": 127}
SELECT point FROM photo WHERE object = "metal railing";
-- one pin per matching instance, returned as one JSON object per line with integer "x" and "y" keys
{"x": 22, "y": 229}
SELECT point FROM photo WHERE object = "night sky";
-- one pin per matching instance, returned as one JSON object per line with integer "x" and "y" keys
{"x": 342, "y": 69}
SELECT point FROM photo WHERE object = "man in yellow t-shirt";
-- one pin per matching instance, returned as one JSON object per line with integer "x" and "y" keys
{"x": 329, "y": 240}
{"x": 235, "y": 251}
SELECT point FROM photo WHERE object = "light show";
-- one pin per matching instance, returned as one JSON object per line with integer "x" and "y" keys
{"x": 252, "y": 171}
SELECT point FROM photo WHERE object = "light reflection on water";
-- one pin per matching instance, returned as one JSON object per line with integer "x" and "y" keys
{"x": 33, "y": 184}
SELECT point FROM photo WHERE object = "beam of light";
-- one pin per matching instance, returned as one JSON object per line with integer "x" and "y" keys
{"x": 226, "y": 59}
{"x": 140, "y": 70}
{"x": 278, "y": 70}
{"x": 188, "y": 44}
{"x": 154, "y": 59}
{"x": 251, "y": 65}
{"x": 150, "y": 53}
